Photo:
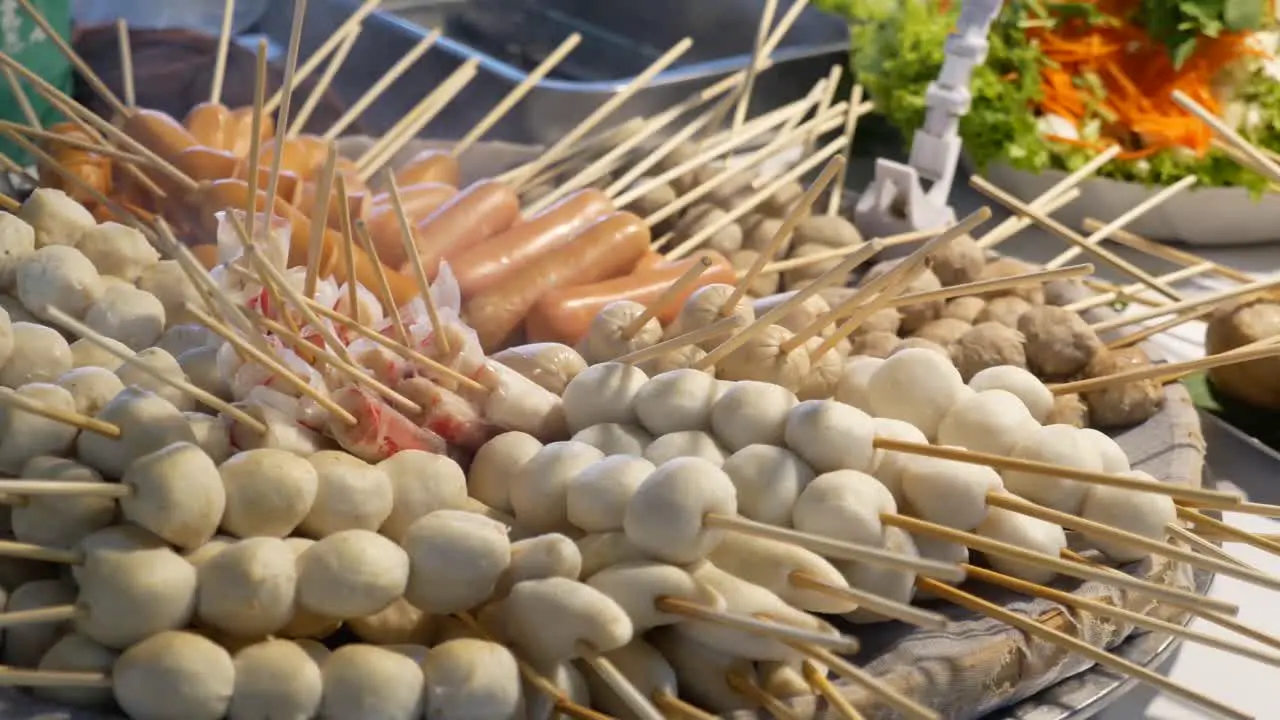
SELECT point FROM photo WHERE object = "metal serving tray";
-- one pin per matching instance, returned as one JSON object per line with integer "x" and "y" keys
{"x": 510, "y": 37}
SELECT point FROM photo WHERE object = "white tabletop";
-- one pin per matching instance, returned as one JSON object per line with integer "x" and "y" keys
{"x": 1245, "y": 684}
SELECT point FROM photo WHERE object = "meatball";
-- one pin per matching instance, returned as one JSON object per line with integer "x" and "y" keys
{"x": 780, "y": 202}
{"x": 964, "y": 308}
{"x": 918, "y": 342}
{"x": 1123, "y": 404}
{"x": 831, "y": 231}
{"x": 916, "y": 315}
{"x": 1008, "y": 267}
{"x": 883, "y": 320}
{"x": 1256, "y": 382}
{"x": 758, "y": 232}
{"x": 1006, "y": 310}
{"x": 959, "y": 261}
{"x": 658, "y": 197}
{"x": 726, "y": 241}
{"x": 765, "y": 283}
{"x": 1068, "y": 409}
{"x": 1059, "y": 343}
{"x": 875, "y": 344}
{"x": 796, "y": 277}
{"x": 944, "y": 331}
{"x": 986, "y": 345}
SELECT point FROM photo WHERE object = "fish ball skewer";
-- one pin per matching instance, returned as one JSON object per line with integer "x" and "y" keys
{"x": 643, "y": 591}
{"x": 768, "y": 480}
{"x": 456, "y": 559}
{"x": 365, "y": 681}
{"x": 40, "y": 354}
{"x": 74, "y": 652}
{"x": 351, "y": 574}
{"x": 703, "y": 671}
{"x": 764, "y": 356}
{"x": 604, "y": 550}
{"x": 147, "y": 423}
{"x": 917, "y": 386}
{"x": 844, "y": 505}
{"x": 1061, "y": 445}
{"x": 26, "y": 643}
{"x": 892, "y": 584}
{"x": 247, "y": 589}
{"x": 609, "y": 335}
{"x": 556, "y": 619}
{"x": 128, "y": 315}
{"x": 60, "y": 521}
{"x": 538, "y": 557}
{"x": 603, "y": 393}
{"x": 772, "y": 565}
{"x": 275, "y": 678}
{"x": 269, "y": 492}
{"x": 830, "y": 435}
{"x": 91, "y": 388}
{"x": 687, "y": 443}
{"x": 25, "y": 435}
{"x": 598, "y": 494}
{"x": 675, "y": 401}
{"x": 351, "y": 494}
{"x": 57, "y": 276}
{"x": 472, "y": 679}
{"x": 944, "y": 492}
{"x": 889, "y": 466}
{"x": 1019, "y": 381}
{"x": 539, "y": 493}
{"x": 752, "y": 412}
{"x": 615, "y": 439}
{"x": 706, "y": 306}
{"x": 989, "y": 421}
{"x": 397, "y": 624}
{"x": 421, "y": 483}
{"x": 496, "y": 464}
{"x": 1026, "y": 532}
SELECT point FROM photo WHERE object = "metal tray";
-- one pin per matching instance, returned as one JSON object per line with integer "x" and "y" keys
{"x": 510, "y": 37}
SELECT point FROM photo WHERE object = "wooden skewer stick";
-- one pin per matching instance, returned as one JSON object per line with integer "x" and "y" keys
{"x": 320, "y": 210}
{"x": 904, "y": 704}
{"x": 748, "y": 85}
{"x": 255, "y": 137}
{"x": 626, "y": 691}
{"x": 44, "y": 487}
{"x": 10, "y": 205}
{"x": 748, "y": 688}
{"x": 1153, "y": 330}
{"x": 603, "y": 111}
{"x": 419, "y": 272}
{"x": 517, "y": 93}
{"x": 376, "y": 90}
{"x": 1167, "y": 252}
{"x": 326, "y": 48}
{"x": 669, "y": 296}
{"x": 1125, "y": 218}
{"x": 74, "y": 58}
{"x": 126, "y": 63}
{"x": 1126, "y": 292}
{"x": 1215, "y": 299}
{"x": 1200, "y": 496}
{"x": 1090, "y": 528}
{"x": 1067, "y": 234}
{"x": 828, "y": 97}
{"x": 716, "y": 329}
{"x": 1007, "y": 229}
{"x": 1269, "y": 166}
{"x": 798, "y": 212}
{"x": 24, "y": 102}
{"x": 1234, "y": 533}
{"x": 1255, "y": 508}
{"x": 817, "y": 680}
{"x": 1177, "y": 532}
{"x": 322, "y": 85}
{"x": 349, "y": 252}
{"x": 850, "y": 130}
{"x": 763, "y": 628}
{"x": 93, "y": 147}
{"x": 1102, "y": 657}
{"x": 903, "y": 612}
{"x": 286, "y": 374}
{"x": 742, "y": 208}
{"x": 220, "y": 59}
{"x": 130, "y": 358}
{"x": 999, "y": 548}
{"x": 423, "y": 113}
{"x": 384, "y": 287}
{"x": 831, "y": 277}
{"x": 879, "y": 291}
{"x": 74, "y": 419}
{"x": 678, "y": 709}
{"x": 287, "y": 87}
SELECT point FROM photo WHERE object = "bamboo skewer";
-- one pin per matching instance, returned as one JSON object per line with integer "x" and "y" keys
{"x": 1269, "y": 166}
{"x": 828, "y": 97}
{"x": 220, "y": 59}
{"x": 1208, "y": 299}
{"x": 76, "y": 180}
{"x": 1067, "y": 234}
{"x": 384, "y": 287}
{"x": 56, "y": 139}
{"x": 669, "y": 296}
{"x": 376, "y": 90}
{"x": 888, "y": 695}
{"x": 850, "y": 129}
{"x": 1007, "y": 229}
{"x": 821, "y": 685}
{"x": 326, "y": 48}
{"x": 1248, "y": 538}
{"x": 748, "y": 84}
{"x": 1125, "y": 218}
{"x": 1153, "y": 330}
{"x": 626, "y": 691}
{"x": 74, "y": 419}
{"x": 603, "y": 111}
{"x": 1134, "y": 291}
{"x": 1169, "y": 371}
{"x": 282, "y": 117}
{"x": 715, "y": 330}
{"x": 419, "y": 272}
{"x": 319, "y": 210}
{"x": 255, "y": 136}
{"x": 751, "y": 690}
{"x": 1177, "y": 532}
{"x": 904, "y": 612}
{"x": 126, "y": 64}
{"x": 24, "y": 102}
{"x": 1167, "y": 252}
{"x": 322, "y": 85}
{"x": 517, "y": 93}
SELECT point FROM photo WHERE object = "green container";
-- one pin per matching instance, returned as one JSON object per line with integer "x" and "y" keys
{"x": 24, "y": 41}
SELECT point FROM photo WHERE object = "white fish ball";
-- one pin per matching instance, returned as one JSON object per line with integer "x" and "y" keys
{"x": 752, "y": 412}
{"x": 87, "y": 353}
{"x": 421, "y": 483}
{"x": 6, "y": 337}
{"x": 40, "y": 354}
{"x": 1058, "y": 445}
{"x": 147, "y": 423}
{"x": 601, "y": 394}
{"x": 1019, "y": 381}
{"x": 1027, "y": 533}
{"x": 830, "y": 435}
{"x": 56, "y": 217}
{"x": 247, "y": 589}
{"x": 549, "y": 619}
{"x": 76, "y": 653}
{"x": 597, "y": 495}
{"x": 1141, "y": 513}
{"x": 773, "y": 565}
{"x": 539, "y": 493}
{"x": 1113, "y": 457}
{"x": 364, "y": 681}
{"x": 174, "y": 675}
{"x": 132, "y": 316}
{"x": 748, "y": 599}
{"x": 602, "y": 550}
{"x": 275, "y": 679}
{"x": 844, "y": 505}
{"x": 57, "y": 276}
{"x": 918, "y": 386}
{"x": 687, "y": 443}
{"x": 117, "y": 250}
{"x": 854, "y": 386}
{"x": 269, "y": 492}
{"x": 768, "y": 480}
{"x": 455, "y": 560}
{"x": 398, "y": 623}
{"x": 163, "y": 363}
{"x": 471, "y": 679}
{"x": 91, "y": 388}
{"x": 988, "y": 421}
{"x": 200, "y": 365}
{"x": 212, "y": 433}
{"x": 564, "y": 676}
{"x": 351, "y": 573}
{"x": 702, "y": 308}
{"x": 17, "y": 240}
{"x": 949, "y": 493}
{"x": 128, "y": 594}
{"x": 496, "y": 464}
{"x": 24, "y": 435}
{"x": 763, "y": 357}
{"x": 178, "y": 339}
{"x": 889, "y": 466}
{"x": 615, "y": 438}
{"x": 60, "y": 521}
{"x": 676, "y": 400}
{"x": 892, "y": 584}
{"x": 638, "y": 588}
{"x": 666, "y": 515}
{"x": 606, "y": 337}
{"x": 306, "y": 623}
{"x": 177, "y": 494}
{"x": 167, "y": 281}
{"x": 24, "y": 645}
{"x": 352, "y": 494}
{"x": 541, "y": 556}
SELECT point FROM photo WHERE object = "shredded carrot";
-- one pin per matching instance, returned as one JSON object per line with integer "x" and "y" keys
{"x": 1138, "y": 78}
